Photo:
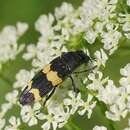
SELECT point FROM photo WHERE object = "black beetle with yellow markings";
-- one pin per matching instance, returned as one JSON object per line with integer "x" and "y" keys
{"x": 45, "y": 82}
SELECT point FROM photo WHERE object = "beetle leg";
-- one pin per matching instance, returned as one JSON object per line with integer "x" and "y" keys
{"x": 90, "y": 69}
{"x": 51, "y": 93}
{"x": 75, "y": 89}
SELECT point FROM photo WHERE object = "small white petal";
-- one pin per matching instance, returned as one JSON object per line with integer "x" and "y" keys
{"x": 33, "y": 121}
{"x": 67, "y": 101}
{"x": 46, "y": 126}
{"x": 99, "y": 128}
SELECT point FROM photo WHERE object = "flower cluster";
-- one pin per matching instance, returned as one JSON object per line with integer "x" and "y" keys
{"x": 116, "y": 98}
{"x": 14, "y": 123}
{"x": 95, "y": 22}
{"x": 8, "y": 41}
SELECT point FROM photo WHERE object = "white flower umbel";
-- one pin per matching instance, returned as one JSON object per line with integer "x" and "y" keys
{"x": 117, "y": 98}
{"x": 108, "y": 94}
{"x": 95, "y": 21}
{"x": 60, "y": 113}
{"x": 8, "y": 41}
{"x": 22, "y": 78}
{"x": 87, "y": 106}
{"x": 111, "y": 37}
{"x": 99, "y": 128}
{"x": 46, "y": 22}
{"x": 49, "y": 44}
{"x": 31, "y": 115}
{"x": 14, "y": 123}
{"x": 57, "y": 116}
{"x": 97, "y": 9}
{"x": 96, "y": 81}
{"x": 74, "y": 101}
{"x": 117, "y": 111}
{"x": 68, "y": 21}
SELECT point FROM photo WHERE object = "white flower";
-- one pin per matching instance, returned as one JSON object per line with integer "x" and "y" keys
{"x": 111, "y": 38}
{"x": 64, "y": 10}
{"x": 128, "y": 2}
{"x": 30, "y": 115}
{"x": 2, "y": 123}
{"x": 8, "y": 41}
{"x": 125, "y": 92}
{"x": 44, "y": 25}
{"x": 21, "y": 28}
{"x": 55, "y": 108}
{"x": 125, "y": 95}
{"x": 87, "y": 106}
{"x": 96, "y": 9}
{"x": 68, "y": 21}
{"x": 14, "y": 123}
{"x": 31, "y": 52}
{"x": 90, "y": 36}
{"x": 12, "y": 97}
{"x": 60, "y": 113}
{"x": 109, "y": 93}
{"x": 50, "y": 120}
{"x": 101, "y": 58}
{"x": 121, "y": 103}
{"x": 124, "y": 20}
{"x": 57, "y": 116}
{"x": 124, "y": 81}
{"x": 39, "y": 54}
{"x": 99, "y": 128}
{"x": 99, "y": 27}
{"x": 74, "y": 101}
{"x": 44, "y": 52}
{"x": 22, "y": 78}
{"x": 5, "y": 107}
{"x": 117, "y": 111}
{"x": 97, "y": 81}
{"x": 55, "y": 49}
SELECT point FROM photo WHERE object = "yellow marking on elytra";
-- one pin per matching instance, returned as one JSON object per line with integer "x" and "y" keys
{"x": 37, "y": 96}
{"x": 46, "y": 69}
{"x": 54, "y": 78}
{"x": 30, "y": 84}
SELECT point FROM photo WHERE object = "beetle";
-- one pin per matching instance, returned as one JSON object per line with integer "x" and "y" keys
{"x": 52, "y": 75}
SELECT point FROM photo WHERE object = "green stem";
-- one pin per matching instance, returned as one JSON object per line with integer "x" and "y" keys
{"x": 5, "y": 79}
{"x": 67, "y": 126}
{"x": 76, "y": 127}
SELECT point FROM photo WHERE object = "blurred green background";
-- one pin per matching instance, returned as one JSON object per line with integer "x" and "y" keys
{"x": 12, "y": 11}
